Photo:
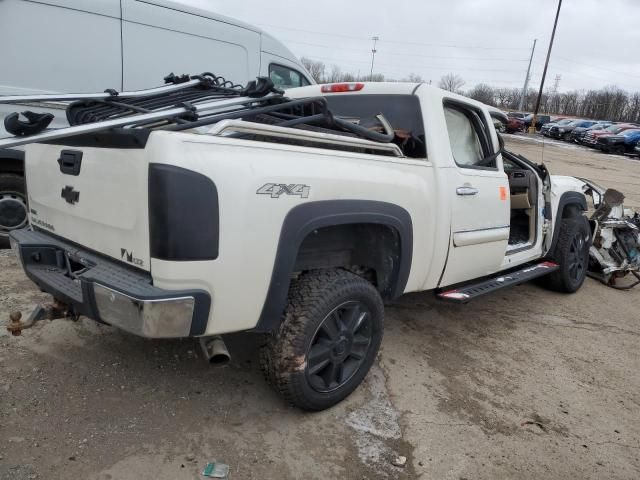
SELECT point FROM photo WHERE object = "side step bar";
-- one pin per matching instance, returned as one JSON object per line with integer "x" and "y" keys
{"x": 469, "y": 291}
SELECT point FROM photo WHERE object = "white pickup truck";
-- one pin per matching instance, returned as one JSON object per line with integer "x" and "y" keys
{"x": 297, "y": 232}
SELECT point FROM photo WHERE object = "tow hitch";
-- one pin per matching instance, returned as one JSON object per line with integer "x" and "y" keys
{"x": 53, "y": 311}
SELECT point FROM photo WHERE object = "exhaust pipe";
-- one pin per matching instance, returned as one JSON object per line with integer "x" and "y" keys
{"x": 215, "y": 350}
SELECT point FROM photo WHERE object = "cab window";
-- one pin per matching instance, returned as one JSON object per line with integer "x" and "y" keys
{"x": 468, "y": 137}
{"x": 285, "y": 77}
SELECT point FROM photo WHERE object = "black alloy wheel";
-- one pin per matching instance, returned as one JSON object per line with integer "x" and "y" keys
{"x": 339, "y": 346}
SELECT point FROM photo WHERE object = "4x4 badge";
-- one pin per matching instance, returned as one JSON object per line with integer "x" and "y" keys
{"x": 277, "y": 189}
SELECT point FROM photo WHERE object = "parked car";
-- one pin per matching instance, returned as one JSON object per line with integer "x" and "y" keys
{"x": 578, "y": 133}
{"x": 515, "y": 124}
{"x": 636, "y": 150}
{"x": 591, "y": 138}
{"x": 621, "y": 143}
{"x": 547, "y": 126}
{"x": 564, "y": 131}
{"x": 79, "y": 46}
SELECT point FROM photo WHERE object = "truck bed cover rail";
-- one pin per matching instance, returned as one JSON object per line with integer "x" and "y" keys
{"x": 227, "y": 127}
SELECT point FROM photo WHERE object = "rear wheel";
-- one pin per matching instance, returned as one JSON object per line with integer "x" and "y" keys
{"x": 571, "y": 252}
{"x": 13, "y": 206}
{"x": 327, "y": 341}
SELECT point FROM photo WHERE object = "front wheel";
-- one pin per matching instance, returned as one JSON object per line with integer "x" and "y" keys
{"x": 571, "y": 252}
{"x": 619, "y": 150}
{"x": 328, "y": 339}
{"x": 13, "y": 206}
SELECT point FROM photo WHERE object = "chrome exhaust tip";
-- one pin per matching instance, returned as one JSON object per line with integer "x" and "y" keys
{"x": 215, "y": 350}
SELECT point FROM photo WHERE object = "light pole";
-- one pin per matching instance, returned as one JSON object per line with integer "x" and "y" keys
{"x": 532, "y": 127}
{"x": 526, "y": 79}
{"x": 373, "y": 55}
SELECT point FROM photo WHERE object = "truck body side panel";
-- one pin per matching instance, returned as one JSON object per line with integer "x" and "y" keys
{"x": 251, "y": 223}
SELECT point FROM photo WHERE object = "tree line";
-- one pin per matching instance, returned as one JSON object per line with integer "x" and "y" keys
{"x": 607, "y": 103}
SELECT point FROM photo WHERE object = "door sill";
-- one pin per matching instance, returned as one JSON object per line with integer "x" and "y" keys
{"x": 518, "y": 247}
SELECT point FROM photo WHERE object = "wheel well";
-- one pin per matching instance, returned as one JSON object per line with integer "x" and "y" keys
{"x": 367, "y": 249}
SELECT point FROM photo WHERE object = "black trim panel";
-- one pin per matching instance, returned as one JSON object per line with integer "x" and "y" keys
{"x": 305, "y": 218}
{"x": 183, "y": 214}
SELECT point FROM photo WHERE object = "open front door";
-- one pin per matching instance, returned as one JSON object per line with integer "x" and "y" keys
{"x": 480, "y": 190}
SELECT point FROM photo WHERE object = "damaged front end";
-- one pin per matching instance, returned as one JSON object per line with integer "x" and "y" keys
{"x": 615, "y": 250}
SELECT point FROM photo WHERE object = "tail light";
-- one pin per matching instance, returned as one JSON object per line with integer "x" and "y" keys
{"x": 342, "y": 87}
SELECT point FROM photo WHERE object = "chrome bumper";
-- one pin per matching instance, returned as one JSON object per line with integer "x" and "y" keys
{"x": 108, "y": 291}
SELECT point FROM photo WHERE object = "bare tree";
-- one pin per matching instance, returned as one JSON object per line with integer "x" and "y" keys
{"x": 483, "y": 93}
{"x": 316, "y": 69}
{"x": 413, "y": 78}
{"x": 451, "y": 82}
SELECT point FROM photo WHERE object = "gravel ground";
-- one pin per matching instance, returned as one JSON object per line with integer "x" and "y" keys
{"x": 523, "y": 384}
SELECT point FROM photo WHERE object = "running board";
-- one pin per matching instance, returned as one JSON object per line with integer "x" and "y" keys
{"x": 469, "y": 291}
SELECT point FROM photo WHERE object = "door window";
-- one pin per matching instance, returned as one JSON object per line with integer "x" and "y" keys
{"x": 285, "y": 77}
{"x": 468, "y": 138}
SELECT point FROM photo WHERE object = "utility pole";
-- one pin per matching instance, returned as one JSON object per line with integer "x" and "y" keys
{"x": 526, "y": 79}
{"x": 532, "y": 128}
{"x": 556, "y": 84}
{"x": 373, "y": 55}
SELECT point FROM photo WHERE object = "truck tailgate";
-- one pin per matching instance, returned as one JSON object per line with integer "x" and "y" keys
{"x": 104, "y": 207}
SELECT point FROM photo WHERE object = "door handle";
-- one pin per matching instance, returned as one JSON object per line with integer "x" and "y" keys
{"x": 464, "y": 191}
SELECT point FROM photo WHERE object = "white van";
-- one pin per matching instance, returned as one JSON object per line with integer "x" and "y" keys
{"x": 81, "y": 46}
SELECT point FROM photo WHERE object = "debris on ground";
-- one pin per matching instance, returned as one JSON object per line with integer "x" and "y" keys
{"x": 399, "y": 461}
{"x": 216, "y": 470}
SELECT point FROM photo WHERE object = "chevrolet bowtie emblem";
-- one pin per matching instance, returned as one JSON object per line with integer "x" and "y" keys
{"x": 70, "y": 195}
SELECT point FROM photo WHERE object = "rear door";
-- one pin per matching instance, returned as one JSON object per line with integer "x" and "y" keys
{"x": 479, "y": 187}
{"x": 158, "y": 40}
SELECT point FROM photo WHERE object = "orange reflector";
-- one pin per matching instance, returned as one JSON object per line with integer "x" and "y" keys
{"x": 503, "y": 193}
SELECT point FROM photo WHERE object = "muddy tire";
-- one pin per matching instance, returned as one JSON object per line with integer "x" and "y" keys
{"x": 13, "y": 206}
{"x": 327, "y": 341}
{"x": 571, "y": 252}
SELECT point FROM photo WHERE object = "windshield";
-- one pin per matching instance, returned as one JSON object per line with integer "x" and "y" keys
{"x": 402, "y": 111}
{"x": 566, "y": 121}
{"x": 613, "y": 128}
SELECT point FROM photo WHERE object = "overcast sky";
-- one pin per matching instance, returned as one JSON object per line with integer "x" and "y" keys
{"x": 481, "y": 40}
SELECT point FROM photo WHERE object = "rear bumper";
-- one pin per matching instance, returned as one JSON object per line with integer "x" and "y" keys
{"x": 107, "y": 291}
